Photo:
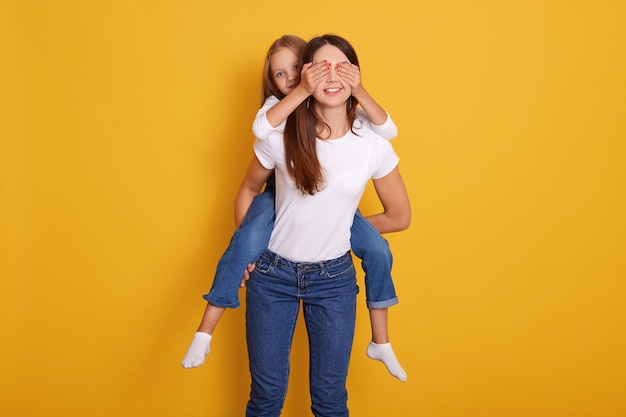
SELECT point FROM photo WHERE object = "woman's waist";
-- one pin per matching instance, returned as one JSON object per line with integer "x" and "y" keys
{"x": 277, "y": 259}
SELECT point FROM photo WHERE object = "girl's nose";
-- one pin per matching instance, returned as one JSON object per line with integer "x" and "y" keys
{"x": 293, "y": 75}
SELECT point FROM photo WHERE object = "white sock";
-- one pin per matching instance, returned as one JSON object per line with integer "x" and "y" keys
{"x": 384, "y": 353}
{"x": 199, "y": 348}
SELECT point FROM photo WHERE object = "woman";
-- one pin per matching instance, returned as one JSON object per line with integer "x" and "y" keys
{"x": 322, "y": 164}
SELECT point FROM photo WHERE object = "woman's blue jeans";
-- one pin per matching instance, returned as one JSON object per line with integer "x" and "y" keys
{"x": 327, "y": 292}
{"x": 253, "y": 237}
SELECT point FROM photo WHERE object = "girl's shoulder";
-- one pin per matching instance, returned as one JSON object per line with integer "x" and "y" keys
{"x": 270, "y": 101}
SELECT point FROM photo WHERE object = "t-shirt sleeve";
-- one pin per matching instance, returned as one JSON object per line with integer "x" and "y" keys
{"x": 388, "y": 130}
{"x": 386, "y": 161}
{"x": 263, "y": 151}
{"x": 261, "y": 127}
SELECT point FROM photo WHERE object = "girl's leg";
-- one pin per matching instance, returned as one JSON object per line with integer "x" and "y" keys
{"x": 374, "y": 252}
{"x": 379, "y": 324}
{"x": 245, "y": 246}
{"x": 201, "y": 343}
{"x": 380, "y": 347}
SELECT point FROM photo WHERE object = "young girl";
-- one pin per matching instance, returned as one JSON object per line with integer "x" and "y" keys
{"x": 322, "y": 163}
{"x": 283, "y": 91}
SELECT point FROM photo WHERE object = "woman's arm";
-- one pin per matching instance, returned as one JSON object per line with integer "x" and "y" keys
{"x": 255, "y": 177}
{"x": 396, "y": 215}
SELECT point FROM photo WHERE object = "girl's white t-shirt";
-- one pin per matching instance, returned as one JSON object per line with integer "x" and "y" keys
{"x": 313, "y": 228}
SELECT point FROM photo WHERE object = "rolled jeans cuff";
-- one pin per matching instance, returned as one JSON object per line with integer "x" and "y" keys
{"x": 220, "y": 302}
{"x": 382, "y": 304}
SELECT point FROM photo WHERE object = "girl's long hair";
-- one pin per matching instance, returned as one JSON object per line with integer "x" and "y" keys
{"x": 301, "y": 129}
{"x": 291, "y": 42}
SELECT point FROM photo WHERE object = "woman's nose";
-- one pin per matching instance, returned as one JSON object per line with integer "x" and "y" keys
{"x": 332, "y": 73}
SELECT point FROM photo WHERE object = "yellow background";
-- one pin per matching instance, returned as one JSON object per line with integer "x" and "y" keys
{"x": 125, "y": 130}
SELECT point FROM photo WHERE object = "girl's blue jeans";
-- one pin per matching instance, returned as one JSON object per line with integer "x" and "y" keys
{"x": 327, "y": 292}
{"x": 253, "y": 236}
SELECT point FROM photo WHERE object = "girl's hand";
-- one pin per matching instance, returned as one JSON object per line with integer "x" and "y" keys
{"x": 313, "y": 74}
{"x": 350, "y": 74}
{"x": 246, "y": 275}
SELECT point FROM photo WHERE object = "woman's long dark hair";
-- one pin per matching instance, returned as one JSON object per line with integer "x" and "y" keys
{"x": 303, "y": 125}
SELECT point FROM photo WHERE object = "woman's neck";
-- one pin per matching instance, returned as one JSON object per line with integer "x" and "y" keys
{"x": 336, "y": 120}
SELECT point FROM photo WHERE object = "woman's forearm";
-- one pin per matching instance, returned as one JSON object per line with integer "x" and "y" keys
{"x": 385, "y": 223}
{"x": 396, "y": 215}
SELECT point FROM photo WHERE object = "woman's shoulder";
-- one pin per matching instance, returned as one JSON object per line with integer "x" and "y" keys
{"x": 365, "y": 137}
{"x": 365, "y": 131}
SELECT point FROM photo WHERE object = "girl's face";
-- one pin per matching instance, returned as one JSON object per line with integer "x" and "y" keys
{"x": 285, "y": 70}
{"x": 332, "y": 91}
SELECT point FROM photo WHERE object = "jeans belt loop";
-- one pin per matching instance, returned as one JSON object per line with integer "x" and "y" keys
{"x": 322, "y": 268}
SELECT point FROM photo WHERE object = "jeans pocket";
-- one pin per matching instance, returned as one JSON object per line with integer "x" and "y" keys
{"x": 262, "y": 265}
{"x": 339, "y": 270}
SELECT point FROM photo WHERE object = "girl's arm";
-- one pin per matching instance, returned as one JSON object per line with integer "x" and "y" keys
{"x": 310, "y": 76}
{"x": 255, "y": 177}
{"x": 387, "y": 130}
{"x": 260, "y": 127}
{"x": 275, "y": 112}
{"x": 279, "y": 113}
{"x": 379, "y": 118}
{"x": 396, "y": 215}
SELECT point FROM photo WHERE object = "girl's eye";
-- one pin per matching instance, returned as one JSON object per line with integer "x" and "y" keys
{"x": 279, "y": 74}
{"x": 296, "y": 67}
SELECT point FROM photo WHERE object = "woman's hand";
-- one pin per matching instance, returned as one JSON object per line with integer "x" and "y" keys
{"x": 246, "y": 275}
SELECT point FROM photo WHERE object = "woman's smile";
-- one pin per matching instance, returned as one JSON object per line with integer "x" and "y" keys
{"x": 332, "y": 91}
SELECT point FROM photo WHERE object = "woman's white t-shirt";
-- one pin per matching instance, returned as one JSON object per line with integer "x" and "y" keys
{"x": 313, "y": 228}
